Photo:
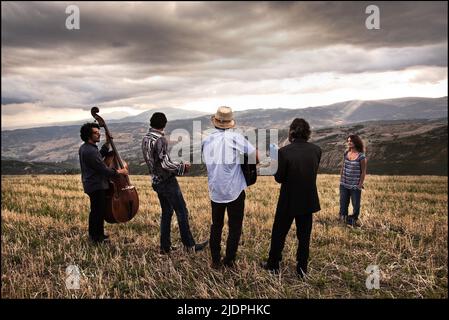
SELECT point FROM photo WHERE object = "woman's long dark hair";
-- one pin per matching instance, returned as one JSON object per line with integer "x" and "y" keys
{"x": 358, "y": 143}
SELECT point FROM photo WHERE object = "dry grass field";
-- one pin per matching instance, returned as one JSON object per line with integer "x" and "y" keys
{"x": 404, "y": 230}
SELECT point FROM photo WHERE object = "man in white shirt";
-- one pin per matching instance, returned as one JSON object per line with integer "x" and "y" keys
{"x": 222, "y": 151}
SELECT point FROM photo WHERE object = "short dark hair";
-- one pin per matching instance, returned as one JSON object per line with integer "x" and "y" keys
{"x": 86, "y": 130}
{"x": 158, "y": 120}
{"x": 358, "y": 143}
{"x": 299, "y": 129}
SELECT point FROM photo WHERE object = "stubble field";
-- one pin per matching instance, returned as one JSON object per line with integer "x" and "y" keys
{"x": 404, "y": 229}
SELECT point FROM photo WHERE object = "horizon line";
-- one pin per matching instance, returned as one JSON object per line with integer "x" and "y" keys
{"x": 65, "y": 123}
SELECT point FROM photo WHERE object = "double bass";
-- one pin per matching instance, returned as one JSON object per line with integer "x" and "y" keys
{"x": 122, "y": 201}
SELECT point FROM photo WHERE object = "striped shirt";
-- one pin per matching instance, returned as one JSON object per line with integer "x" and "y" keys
{"x": 352, "y": 171}
{"x": 154, "y": 149}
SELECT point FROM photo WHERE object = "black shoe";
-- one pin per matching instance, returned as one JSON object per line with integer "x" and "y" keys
{"x": 167, "y": 250}
{"x": 217, "y": 265}
{"x": 272, "y": 269}
{"x": 201, "y": 246}
{"x": 301, "y": 272}
{"x": 352, "y": 221}
{"x": 342, "y": 218}
{"x": 164, "y": 251}
{"x": 228, "y": 263}
{"x": 99, "y": 239}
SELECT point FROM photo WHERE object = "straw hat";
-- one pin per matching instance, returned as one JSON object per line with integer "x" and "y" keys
{"x": 223, "y": 118}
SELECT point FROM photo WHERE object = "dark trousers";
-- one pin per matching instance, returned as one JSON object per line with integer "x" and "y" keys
{"x": 235, "y": 219}
{"x": 350, "y": 195}
{"x": 97, "y": 212}
{"x": 281, "y": 226}
{"x": 171, "y": 199}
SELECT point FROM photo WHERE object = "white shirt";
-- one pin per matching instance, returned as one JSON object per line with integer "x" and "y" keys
{"x": 221, "y": 154}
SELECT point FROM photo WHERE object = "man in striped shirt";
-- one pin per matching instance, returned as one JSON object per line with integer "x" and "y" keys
{"x": 164, "y": 171}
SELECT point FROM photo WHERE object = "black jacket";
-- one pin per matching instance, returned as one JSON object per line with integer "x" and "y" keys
{"x": 94, "y": 172}
{"x": 298, "y": 165}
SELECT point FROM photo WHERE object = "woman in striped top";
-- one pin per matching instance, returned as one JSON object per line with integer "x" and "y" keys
{"x": 353, "y": 172}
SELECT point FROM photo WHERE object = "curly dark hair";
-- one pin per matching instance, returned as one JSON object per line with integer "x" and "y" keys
{"x": 358, "y": 143}
{"x": 299, "y": 129}
{"x": 158, "y": 120}
{"x": 86, "y": 130}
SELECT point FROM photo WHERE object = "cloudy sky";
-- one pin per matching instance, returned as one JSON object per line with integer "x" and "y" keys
{"x": 131, "y": 57}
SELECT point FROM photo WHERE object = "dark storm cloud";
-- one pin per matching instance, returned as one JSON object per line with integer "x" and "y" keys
{"x": 157, "y": 51}
{"x": 197, "y": 32}
{"x": 15, "y": 100}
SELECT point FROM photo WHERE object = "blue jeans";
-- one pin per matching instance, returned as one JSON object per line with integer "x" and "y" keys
{"x": 350, "y": 195}
{"x": 171, "y": 199}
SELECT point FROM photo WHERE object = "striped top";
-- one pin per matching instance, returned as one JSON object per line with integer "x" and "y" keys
{"x": 352, "y": 171}
{"x": 155, "y": 153}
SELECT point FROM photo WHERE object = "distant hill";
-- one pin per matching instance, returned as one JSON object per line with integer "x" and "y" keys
{"x": 21, "y": 167}
{"x": 395, "y": 147}
{"x": 323, "y": 116}
{"x": 117, "y": 117}
{"x": 171, "y": 114}
{"x": 405, "y": 136}
{"x": 400, "y": 147}
{"x": 348, "y": 112}
{"x": 341, "y": 113}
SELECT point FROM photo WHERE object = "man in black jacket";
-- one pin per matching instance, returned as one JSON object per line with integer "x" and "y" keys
{"x": 298, "y": 165}
{"x": 95, "y": 175}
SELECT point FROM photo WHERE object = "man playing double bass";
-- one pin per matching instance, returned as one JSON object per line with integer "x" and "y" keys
{"x": 95, "y": 175}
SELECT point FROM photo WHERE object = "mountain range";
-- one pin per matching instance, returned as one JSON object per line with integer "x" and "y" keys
{"x": 119, "y": 117}
{"x": 404, "y": 136}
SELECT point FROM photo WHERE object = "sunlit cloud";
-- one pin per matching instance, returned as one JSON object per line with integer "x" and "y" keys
{"x": 132, "y": 57}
